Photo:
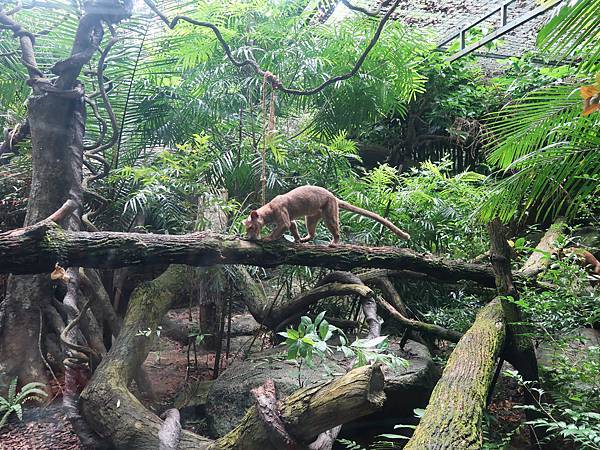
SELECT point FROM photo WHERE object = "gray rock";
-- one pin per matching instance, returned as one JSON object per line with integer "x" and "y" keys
{"x": 229, "y": 396}
{"x": 579, "y": 341}
{"x": 243, "y": 325}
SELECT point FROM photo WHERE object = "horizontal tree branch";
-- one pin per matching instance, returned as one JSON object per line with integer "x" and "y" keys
{"x": 38, "y": 248}
{"x": 429, "y": 328}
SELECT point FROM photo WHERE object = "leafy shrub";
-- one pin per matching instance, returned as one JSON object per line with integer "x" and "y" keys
{"x": 561, "y": 422}
{"x": 568, "y": 305}
{"x": 310, "y": 339}
{"x": 436, "y": 208}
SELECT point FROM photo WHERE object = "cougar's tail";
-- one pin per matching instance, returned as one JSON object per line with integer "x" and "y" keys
{"x": 363, "y": 212}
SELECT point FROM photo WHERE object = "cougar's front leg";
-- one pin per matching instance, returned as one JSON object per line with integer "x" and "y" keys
{"x": 282, "y": 224}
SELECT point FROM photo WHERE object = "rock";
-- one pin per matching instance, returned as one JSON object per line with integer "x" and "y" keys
{"x": 588, "y": 238}
{"x": 553, "y": 357}
{"x": 243, "y": 325}
{"x": 579, "y": 341}
{"x": 193, "y": 395}
{"x": 229, "y": 396}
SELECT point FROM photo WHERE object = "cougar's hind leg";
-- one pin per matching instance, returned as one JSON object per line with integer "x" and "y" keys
{"x": 331, "y": 216}
{"x": 311, "y": 226}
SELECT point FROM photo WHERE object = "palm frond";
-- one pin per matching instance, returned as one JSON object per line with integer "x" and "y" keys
{"x": 574, "y": 33}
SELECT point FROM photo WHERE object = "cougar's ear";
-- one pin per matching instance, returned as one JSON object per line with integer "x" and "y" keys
{"x": 254, "y": 215}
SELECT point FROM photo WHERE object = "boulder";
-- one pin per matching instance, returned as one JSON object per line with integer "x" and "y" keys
{"x": 243, "y": 325}
{"x": 229, "y": 396}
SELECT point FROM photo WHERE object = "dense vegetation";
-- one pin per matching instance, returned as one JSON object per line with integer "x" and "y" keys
{"x": 438, "y": 148}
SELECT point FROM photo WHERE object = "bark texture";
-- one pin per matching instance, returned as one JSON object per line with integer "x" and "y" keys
{"x": 539, "y": 260}
{"x": 311, "y": 411}
{"x": 106, "y": 402}
{"x": 57, "y": 140}
{"x": 37, "y": 249}
{"x": 453, "y": 416}
{"x": 519, "y": 349}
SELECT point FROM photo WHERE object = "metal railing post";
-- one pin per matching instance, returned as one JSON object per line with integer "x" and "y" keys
{"x": 504, "y": 14}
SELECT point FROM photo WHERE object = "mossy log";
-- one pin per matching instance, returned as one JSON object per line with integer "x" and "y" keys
{"x": 453, "y": 416}
{"x": 119, "y": 417}
{"x": 539, "y": 259}
{"x": 38, "y": 248}
{"x": 311, "y": 411}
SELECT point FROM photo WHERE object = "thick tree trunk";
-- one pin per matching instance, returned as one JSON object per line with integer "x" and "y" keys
{"x": 106, "y": 403}
{"x": 37, "y": 249}
{"x": 57, "y": 140}
{"x": 453, "y": 416}
{"x": 519, "y": 350}
{"x": 122, "y": 420}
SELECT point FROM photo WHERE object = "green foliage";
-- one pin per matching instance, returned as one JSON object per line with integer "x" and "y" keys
{"x": 196, "y": 334}
{"x": 544, "y": 149}
{"x": 310, "y": 340}
{"x": 14, "y": 401}
{"x": 573, "y": 379}
{"x": 432, "y": 205}
{"x": 456, "y": 314}
{"x": 549, "y": 150}
{"x": 383, "y": 442}
{"x": 574, "y": 33}
{"x": 350, "y": 445}
{"x": 559, "y": 422}
{"x": 569, "y": 304}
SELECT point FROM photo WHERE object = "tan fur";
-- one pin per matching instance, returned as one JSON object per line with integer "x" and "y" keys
{"x": 312, "y": 202}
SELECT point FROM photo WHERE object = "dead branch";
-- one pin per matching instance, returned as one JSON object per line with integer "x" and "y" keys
{"x": 539, "y": 259}
{"x": 428, "y": 328}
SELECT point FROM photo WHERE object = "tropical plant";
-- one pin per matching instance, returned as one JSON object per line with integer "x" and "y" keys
{"x": 14, "y": 401}
{"x": 310, "y": 340}
{"x": 434, "y": 206}
{"x": 580, "y": 427}
{"x": 546, "y": 150}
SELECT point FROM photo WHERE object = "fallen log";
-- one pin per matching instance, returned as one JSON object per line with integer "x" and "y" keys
{"x": 38, "y": 248}
{"x": 313, "y": 410}
{"x": 118, "y": 416}
{"x": 453, "y": 416}
{"x": 540, "y": 259}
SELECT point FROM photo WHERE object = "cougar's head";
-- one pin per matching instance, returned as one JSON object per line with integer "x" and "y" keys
{"x": 253, "y": 224}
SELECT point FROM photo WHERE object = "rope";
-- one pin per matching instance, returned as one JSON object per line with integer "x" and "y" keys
{"x": 263, "y": 162}
{"x": 267, "y": 130}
